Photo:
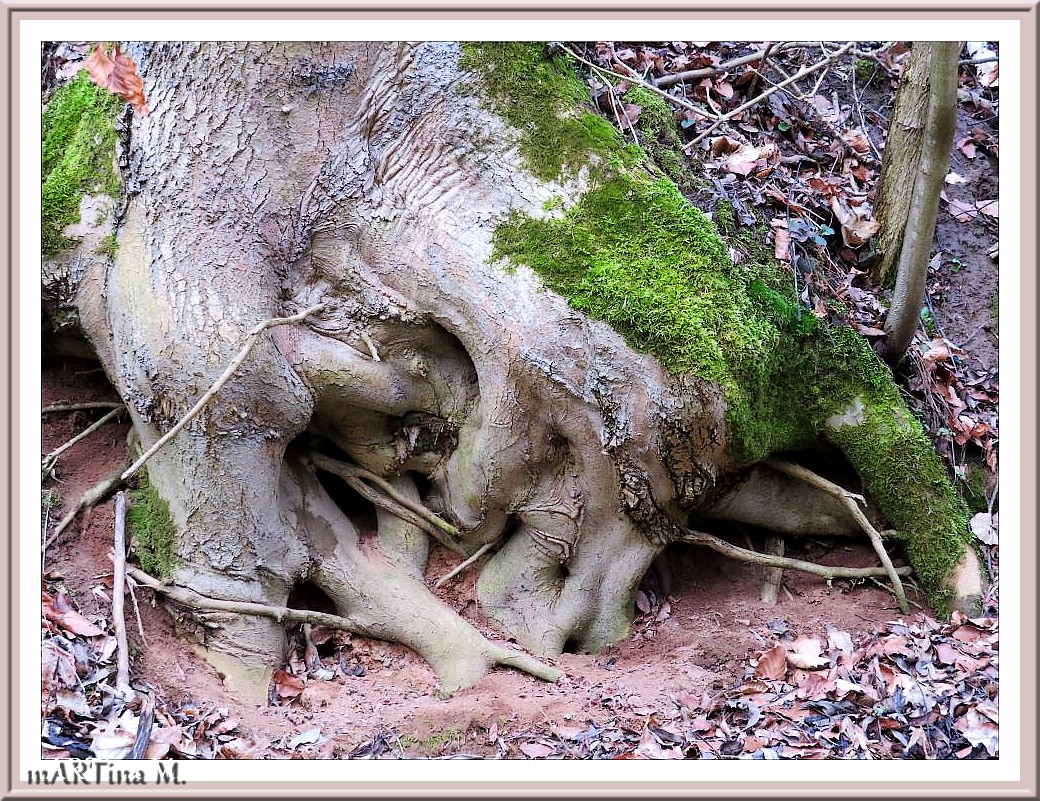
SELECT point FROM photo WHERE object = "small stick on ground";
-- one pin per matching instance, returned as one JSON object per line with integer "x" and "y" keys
{"x": 755, "y": 101}
{"x": 774, "y": 576}
{"x": 634, "y": 78}
{"x": 131, "y": 585}
{"x": 849, "y": 499}
{"x": 92, "y": 496}
{"x": 251, "y": 340}
{"x": 118, "y": 594}
{"x": 80, "y": 407}
{"x": 52, "y": 457}
{"x": 483, "y": 549}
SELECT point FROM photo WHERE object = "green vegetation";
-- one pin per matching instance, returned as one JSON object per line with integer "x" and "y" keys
{"x": 79, "y": 141}
{"x": 634, "y": 253}
{"x": 548, "y": 104}
{"x": 435, "y": 741}
{"x": 108, "y": 246}
{"x": 902, "y": 472}
{"x": 865, "y": 69}
{"x": 152, "y": 532}
{"x": 51, "y": 499}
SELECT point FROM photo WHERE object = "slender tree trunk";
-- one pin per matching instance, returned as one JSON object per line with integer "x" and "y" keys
{"x": 912, "y": 178}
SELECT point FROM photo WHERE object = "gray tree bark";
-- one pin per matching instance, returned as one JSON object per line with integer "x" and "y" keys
{"x": 369, "y": 178}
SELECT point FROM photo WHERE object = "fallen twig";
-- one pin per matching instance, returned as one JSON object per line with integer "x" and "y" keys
{"x": 118, "y": 595}
{"x": 80, "y": 407}
{"x": 235, "y": 363}
{"x": 52, "y": 457}
{"x": 744, "y": 555}
{"x": 634, "y": 78}
{"x": 483, "y": 549}
{"x": 800, "y": 74}
{"x": 849, "y": 500}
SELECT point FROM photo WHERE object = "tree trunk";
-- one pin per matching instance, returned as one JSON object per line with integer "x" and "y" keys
{"x": 528, "y": 344}
{"x": 918, "y": 164}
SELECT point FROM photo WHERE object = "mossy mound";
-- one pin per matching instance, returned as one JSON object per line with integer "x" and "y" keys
{"x": 634, "y": 253}
{"x": 78, "y": 151}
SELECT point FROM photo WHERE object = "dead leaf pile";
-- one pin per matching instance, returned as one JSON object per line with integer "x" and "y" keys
{"x": 919, "y": 689}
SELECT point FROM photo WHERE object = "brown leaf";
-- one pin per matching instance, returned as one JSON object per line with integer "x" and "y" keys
{"x": 963, "y": 212}
{"x": 857, "y": 140}
{"x": 286, "y": 685}
{"x": 979, "y": 730}
{"x": 805, "y": 654}
{"x": 781, "y": 241}
{"x": 536, "y": 750}
{"x": 118, "y": 74}
{"x": 772, "y": 665}
{"x": 75, "y": 622}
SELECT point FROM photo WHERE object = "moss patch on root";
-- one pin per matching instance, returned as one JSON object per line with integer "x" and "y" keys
{"x": 78, "y": 151}
{"x": 548, "y": 104}
{"x": 634, "y": 253}
{"x": 152, "y": 532}
{"x": 902, "y": 472}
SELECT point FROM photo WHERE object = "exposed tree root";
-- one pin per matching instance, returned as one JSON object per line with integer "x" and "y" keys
{"x": 784, "y": 562}
{"x": 92, "y": 496}
{"x": 850, "y": 500}
{"x": 383, "y": 494}
{"x": 496, "y": 654}
{"x": 233, "y": 365}
{"x": 51, "y": 458}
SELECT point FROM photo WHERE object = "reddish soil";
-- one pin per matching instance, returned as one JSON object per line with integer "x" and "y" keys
{"x": 695, "y": 640}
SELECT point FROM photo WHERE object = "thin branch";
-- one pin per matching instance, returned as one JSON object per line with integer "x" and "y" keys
{"x": 784, "y": 562}
{"x": 483, "y": 549}
{"x": 236, "y": 362}
{"x": 118, "y": 596}
{"x": 800, "y": 74}
{"x": 850, "y": 501}
{"x": 52, "y": 457}
{"x": 707, "y": 72}
{"x": 384, "y": 495}
{"x": 80, "y": 407}
{"x": 634, "y": 78}
{"x": 89, "y": 498}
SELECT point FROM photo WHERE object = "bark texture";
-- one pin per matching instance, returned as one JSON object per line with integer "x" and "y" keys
{"x": 371, "y": 179}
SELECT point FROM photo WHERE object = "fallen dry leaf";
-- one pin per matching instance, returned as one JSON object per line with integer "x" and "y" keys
{"x": 118, "y": 74}
{"x": 772, "y": 665}
{"x": 805, "y": 654}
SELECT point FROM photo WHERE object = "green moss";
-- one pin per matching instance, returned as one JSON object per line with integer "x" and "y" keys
{"x": 660, "y": 138}
{"x": 152, "y": 532}
{"x": 548, "y": 104}
{"x": 903, "y": 474}
{"x": 108, "y": 246}
{"x": 634, "y": 253}
{"x": 78, "y": 152}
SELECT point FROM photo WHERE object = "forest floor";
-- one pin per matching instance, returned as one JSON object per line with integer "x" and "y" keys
{"x": 832, "y": 669}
